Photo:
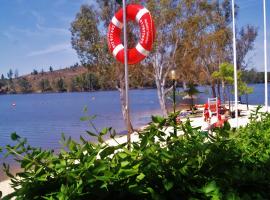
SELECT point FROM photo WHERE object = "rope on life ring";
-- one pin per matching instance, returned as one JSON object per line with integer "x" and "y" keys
{"x": 143, "y": 17}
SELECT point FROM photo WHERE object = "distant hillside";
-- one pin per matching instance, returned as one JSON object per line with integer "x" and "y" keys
{"x": 68, "y": 75}
{"x": 68, "y": 79}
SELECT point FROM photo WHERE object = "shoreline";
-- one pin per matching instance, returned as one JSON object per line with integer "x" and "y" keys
{"x": 63, "y": 92}
{"x": 195, "y": 122}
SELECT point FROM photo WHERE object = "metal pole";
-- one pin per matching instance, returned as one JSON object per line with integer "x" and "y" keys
{"x": 174, "y": 96}
{"x": 265, "y": 59}
{"x": 235, "y": 67}
{"x": 126, "y": 72}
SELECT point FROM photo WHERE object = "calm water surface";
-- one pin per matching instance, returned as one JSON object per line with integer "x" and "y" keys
{"x": 43, "y": 117}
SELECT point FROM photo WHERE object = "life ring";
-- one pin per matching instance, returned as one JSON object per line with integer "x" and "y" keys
{"x": 143, "y": 17}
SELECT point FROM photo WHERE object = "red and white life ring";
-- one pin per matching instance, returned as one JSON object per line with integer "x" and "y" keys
{"x": 147, "y": 33}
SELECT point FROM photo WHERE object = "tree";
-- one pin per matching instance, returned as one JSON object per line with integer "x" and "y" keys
{"x": 10, "y": 74}
{"x": 243, "y": 89}
{"x": 16, "y": 73}
{"x": 225, "y": 75}
{"x": 85, "y": 36}
{"x": 60, "y": 85}
{"x": 191, "y": 92}
{"x": 2, "y": 77}
{"x": 88, "y": 40}
{"x": 215, "y": 42}
{"x": 35, "y": 72}
{"x": 44, "y": 85}
{"x": 245, "y": 43}
{"x": 11, "y": 87}
{"x": 51, "y": 69}
{"x": 25, "y": 85}
{"x": 162, "y": 58}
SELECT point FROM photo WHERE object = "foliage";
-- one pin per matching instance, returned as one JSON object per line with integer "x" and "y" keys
{"x": 191, "y": 93}
{"x": 229, "y": 164}
{"x": 225, "y": 73}
{"x": 244, "y": 89}
{"x": 24, "y": 84}
{"x": 10, "y": 74}
{"x": 16, "y": 73}
{"x": 35, "y": 72}
{"x": 86, "y": 82}
{"x": 244, "y": 44}
{"x": 226, "y": 76}
{"x": 85, "y": 35}
{"x": 44, "y": 85}
{"x": 253, "y": 76}
{"x": 59, "y": 85}
{"x": 191, "y": 90}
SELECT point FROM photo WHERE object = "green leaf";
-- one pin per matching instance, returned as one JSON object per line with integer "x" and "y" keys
{"x": 106, "y": 152}
{"x": 140, "y": 177}
{"x": 122, "y": 155}
{"x": 100, "y": 139}
{"x": 14, "y": 136}
{"x": 85, "y": 118}
{"x": 168, "y": 184}
{"x": 85, "y": 109}
{"x": 124, "y": 163}
{"x": 158, "y": 119}
{"x": 211, "y": 189}
{"x": 91, "y": 134}
{"x": 104, "y": 131}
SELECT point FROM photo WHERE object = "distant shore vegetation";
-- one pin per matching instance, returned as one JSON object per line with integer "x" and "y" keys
{"x": 77, "y": 78}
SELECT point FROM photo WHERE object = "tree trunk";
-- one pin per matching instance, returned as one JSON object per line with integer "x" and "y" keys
{"x": 224, "y": 91}
{"x": 240, "y": 99}
{"x": 213, "y": 90}
{"x": 247, "y": 101}
{"x": 184, "y": 85}
{"x": 218, "y": 89}
{"x": 161, "y": 97}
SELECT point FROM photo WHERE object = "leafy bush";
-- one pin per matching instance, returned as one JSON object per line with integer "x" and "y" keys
{"x": 229, "y": 164}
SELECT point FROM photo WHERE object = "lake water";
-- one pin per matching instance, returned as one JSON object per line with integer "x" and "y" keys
{"x": 41, "y": 118}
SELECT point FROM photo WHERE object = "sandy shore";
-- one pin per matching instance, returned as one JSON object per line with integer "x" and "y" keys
{"x": 195, "y": 122}
{"x": 5, "y": 187}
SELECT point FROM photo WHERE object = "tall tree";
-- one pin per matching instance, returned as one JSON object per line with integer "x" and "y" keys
{"x": 10, "y": 74}
{"x": 225, "y": 75}
{"x": 89, "y": 42}
{"x": 11, "y": 87}
{"x": 86, "y": 36}
{"x": 16, "y": 73}
{"x": 179, "y": 25}
{"x": 216, "y": 41}
{"x": 163, "y": 55}
{"x": 245, "y": 44}
{"x": 51, "y": 69}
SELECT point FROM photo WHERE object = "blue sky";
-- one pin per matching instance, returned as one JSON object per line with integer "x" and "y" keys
{"x": 34, "y": 34}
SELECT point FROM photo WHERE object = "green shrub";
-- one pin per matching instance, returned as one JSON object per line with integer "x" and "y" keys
{"x": 229, "y": 164}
